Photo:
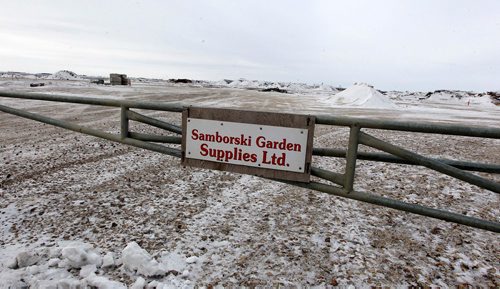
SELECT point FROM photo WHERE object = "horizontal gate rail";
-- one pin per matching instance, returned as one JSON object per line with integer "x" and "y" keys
{"x": 149, "y": 105}
{"x": 132, "y": 115}
{"x": 155, "y": 138}
{"x": 344, "y": 182}
{"x": 328, "y": 175}
{"x": 92, "y": 132}
{"x": 374, "y": 142}
{"x": 423, "y": 127}
{"x": 388, "y": 158}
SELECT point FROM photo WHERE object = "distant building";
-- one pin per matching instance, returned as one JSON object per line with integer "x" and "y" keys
{"x": 118, "y": 79}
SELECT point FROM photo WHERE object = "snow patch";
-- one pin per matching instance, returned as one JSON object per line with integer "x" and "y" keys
{"x": 192, "y": 259}
{"x": 140, "y": 283}
{"x": 467, "y": 98}
{"x": 108, "y": 260}
{"x": 102, "y": 282}
{"x": 62, "y": 283}
{"x": 173, "y": 261}
{"x": 137, "y": 259}
{"x": 87, "y": 270}
{"x": 77, "y": 255}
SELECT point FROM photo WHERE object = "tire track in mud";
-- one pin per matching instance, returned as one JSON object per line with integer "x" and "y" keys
{"x": 30, "y": 139}
{"x": 38, "y": 174}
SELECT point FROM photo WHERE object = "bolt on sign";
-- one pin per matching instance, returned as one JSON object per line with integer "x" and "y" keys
{"x": 272, "y": 145}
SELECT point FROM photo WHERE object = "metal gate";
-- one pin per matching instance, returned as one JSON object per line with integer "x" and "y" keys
{"x": 344, "y": 182}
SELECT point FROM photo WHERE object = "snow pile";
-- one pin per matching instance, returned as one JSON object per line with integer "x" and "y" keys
{"x": 64, "y": 75}
{"x": 361, "y": 95}
{"x": 17, "y": 75}
{"x": 137, "y": 259}
{"x": 49, "y": 267}
{"x": 102, "y": 282}
{"x": 290, "y": 87}
{"x": 483, "y": 101}
{"x": 79, "y": 265}
{"x": 77, "y": 255}
{"x": 244, "y": 83}
{"x": 446, "y": 96}
{"x": 462, "y": 98}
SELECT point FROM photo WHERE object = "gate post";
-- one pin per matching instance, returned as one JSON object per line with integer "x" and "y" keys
{"x": 352, "y": 154}
{"x": 124, "y": 133}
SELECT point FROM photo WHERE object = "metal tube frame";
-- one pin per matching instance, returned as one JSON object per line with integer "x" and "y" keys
{"x": 388, "y": 158}
{"x": 153, "y": 122}
{"x": 344, "y": 181}
{"x": 374, "y": 142}
{"x": 352, "y": 153}
{"x": 124, "y": 129}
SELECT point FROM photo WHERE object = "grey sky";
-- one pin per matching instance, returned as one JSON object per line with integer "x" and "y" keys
{"x": 405, "y": 45}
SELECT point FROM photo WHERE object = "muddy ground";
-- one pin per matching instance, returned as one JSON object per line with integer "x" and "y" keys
{"x": 59, "y": 185}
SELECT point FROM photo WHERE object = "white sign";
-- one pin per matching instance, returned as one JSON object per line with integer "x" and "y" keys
{"x": 261, "y": 146}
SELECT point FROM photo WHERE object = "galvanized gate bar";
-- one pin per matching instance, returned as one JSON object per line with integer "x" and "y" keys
{"x": 150, "y": 105}
{"x": 124, "y": 130}
{"x": 388, "y": 158}
{"x": 92, "y": 132}
{"x": 352, "y": 152}
{"x": 328, "y": 175}
{"x": 402, "y": 206}
{"x": 427, "y": 162}
{"x": 132, "y": 115}
{"x": 156, "y": 138}
{"x": 450, "y": 129}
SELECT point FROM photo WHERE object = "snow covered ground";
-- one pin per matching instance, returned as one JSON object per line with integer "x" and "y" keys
{"x": 76, "y": 210}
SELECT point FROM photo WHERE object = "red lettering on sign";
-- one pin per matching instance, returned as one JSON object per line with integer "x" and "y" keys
{"x": 274, "y": 159}
{"x": 281, "y": 145}
{"x": 194, "y": 134}
{"x": 218, "y": 138}
{"x": 227, "y": 155}
{"x": 203, "y": 150}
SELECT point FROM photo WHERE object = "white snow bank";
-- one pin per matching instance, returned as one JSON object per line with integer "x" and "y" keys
{"x": 140, "y": 283}
{"x": 108, "y": 260}
{"x": 62, "y": 283}
{"x": 51, "y": 267}
{"x": 192, "y": 259}
{"x": 137, "y": 259}
{"x": 25, "y": 259}
{"x": 64, "y": 75}
{"x": 102, "y": 282}
{"x": 462, "y": 98}
{"x": 173, "y": 261}
{"x": 290, "y": 87}
{"x": 17, "y": 75}
{"x": 77, "y": 255}
{"x": 361, "y": 95}
{"x": 87, "y": 270}
{"x": 482, "y": 101}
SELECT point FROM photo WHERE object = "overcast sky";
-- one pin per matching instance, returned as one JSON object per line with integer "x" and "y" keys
{"x": 404, "y": 45}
